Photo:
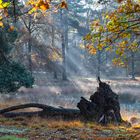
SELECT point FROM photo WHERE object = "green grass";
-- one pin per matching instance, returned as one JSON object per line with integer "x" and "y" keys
{"x": 11, "y": 138}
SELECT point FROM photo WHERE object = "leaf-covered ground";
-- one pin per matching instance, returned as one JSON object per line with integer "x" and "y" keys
{"x": 36, "y": 128}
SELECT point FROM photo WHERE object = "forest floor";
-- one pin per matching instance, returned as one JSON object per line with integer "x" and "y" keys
{"x": 67, "y": 94}
{"x": 36, "y": 128}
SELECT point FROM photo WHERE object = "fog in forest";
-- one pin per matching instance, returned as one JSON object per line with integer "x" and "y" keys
{"x": 53, "y": 49}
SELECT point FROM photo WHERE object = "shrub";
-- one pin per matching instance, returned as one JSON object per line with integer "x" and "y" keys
{"x": 12, "y": 76}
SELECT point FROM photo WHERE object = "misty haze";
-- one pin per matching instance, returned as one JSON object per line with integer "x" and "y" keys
{"x": 70, "y": 70}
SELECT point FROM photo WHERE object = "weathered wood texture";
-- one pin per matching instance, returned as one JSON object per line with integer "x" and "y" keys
{"x": 47, "y": 111}
{"x": 104, "y": 106}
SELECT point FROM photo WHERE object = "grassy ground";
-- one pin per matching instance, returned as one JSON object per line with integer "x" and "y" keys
{"x": 36, "y": 128}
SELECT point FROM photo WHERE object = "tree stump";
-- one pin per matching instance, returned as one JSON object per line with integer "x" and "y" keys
{"x": 104, "y": 106}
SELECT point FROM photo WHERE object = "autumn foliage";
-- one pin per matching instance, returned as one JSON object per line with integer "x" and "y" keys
{"x": 30, "y": 7}
{"x": 118, "y": 31}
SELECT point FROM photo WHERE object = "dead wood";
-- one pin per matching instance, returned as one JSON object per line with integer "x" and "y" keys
{"x": 104, "y": 106}
{"x": 47, "y": 111}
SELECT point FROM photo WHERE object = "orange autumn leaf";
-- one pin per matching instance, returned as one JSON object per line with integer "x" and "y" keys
{"x": 93, "y": 51}
{"x": 11, "y": 28}
{"x": 1, "y": 24}
{"x": 6, "y": 12}
{"x": 44, "y": 7}
{"x": 64, "y": 5}
{"x": 119, "y": 1}
{"x": 89, "y": 46}
{"x": 41, "y": 2}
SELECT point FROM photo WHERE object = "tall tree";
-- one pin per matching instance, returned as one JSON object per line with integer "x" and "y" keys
{"x": 64, "y": 45}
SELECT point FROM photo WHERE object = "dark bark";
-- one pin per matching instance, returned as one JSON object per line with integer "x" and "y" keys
{"x": 98, "y": 63}
{"x": 104, "y": 106}
{"x": 47, "y": 111}
{"x": 29, "y": 54}
{"x": 64, "y": 45}
{"x": 55, "y": 74}
{"x": 53, "y": 45}
{"x": 87, "y": 109}
{"x": 133, "y": 65}
{"x": 3, "y": 57}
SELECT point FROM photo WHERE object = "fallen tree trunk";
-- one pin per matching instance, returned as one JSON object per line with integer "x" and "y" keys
{"x": 47, "y": 111}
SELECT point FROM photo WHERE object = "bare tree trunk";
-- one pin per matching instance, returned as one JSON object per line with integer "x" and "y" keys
{"x": 30, "y": 53}
{"x": 64, "y": 75}
{"x": 133, "y": 65}
{"x": 53, "y": 45}
{"x": 106, "y": 57}
{"x": 66, "y": 41}
{"x": 98, "y": 64}
{"x": 126, "y": 71}
{"x": 29, "y": 43}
